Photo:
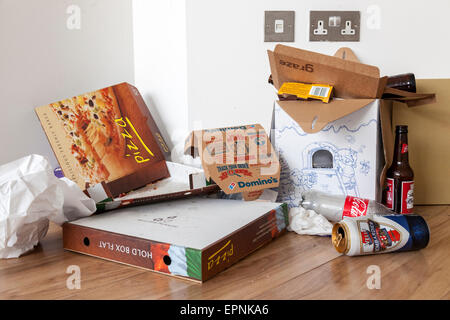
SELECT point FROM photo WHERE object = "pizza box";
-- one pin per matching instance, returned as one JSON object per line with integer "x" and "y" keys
{"x": 240, "y": 159}
{"x": 192, "y": 238}
{"x": 106, "y": 140}
{"x": 184, "y": 182}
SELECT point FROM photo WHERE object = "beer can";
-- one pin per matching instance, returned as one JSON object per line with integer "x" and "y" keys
{"x": 380, "y": 234}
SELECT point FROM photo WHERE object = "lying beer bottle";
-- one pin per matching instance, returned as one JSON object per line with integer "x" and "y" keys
{"x": 337, "y": 207}
{"x": 405, "y": 82}
{"x": 399, "y": 191}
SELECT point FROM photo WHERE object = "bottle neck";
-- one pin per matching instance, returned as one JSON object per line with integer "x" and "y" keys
{"x": 401, "y": 149}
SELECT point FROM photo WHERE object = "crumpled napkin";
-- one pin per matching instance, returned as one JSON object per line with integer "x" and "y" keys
{"x": 30, "y": 197}
{"x": 308, "y": 222}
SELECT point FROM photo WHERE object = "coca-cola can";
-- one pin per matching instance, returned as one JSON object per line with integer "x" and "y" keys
{"x": 380, "y": 234}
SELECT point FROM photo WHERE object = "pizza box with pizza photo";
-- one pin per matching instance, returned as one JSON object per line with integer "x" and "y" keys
{"x": 106, "y": 141}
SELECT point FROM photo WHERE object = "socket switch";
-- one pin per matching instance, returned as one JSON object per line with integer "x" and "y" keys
{"x": 334, "y": 25}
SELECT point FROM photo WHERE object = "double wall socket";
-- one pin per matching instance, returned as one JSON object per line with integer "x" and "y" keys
{"x": 334, "y": 25}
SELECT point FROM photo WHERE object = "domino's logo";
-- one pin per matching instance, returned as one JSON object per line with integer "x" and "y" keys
{"x": 232, "y": 185}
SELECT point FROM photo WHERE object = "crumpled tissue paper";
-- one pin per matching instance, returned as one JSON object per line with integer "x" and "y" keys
{"x": 30, "y": 197}
{"x": 308, "y": 222}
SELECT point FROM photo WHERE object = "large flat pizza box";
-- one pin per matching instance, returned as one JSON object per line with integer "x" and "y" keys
{"x": 106, "y": 140}
{"x": 190, "y": 238}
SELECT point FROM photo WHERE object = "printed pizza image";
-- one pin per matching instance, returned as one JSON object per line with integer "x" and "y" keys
{"x": 97, "y": 143}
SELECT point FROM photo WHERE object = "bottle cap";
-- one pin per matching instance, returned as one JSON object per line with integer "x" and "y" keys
{"x": 401, "y": 129}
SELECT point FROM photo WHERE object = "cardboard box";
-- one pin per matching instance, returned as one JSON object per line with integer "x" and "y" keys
{"x": 190, "y": 238}
{"x": 106, "y": 140}
{"x": 429, "y": 143}
{"x": 344, "y": 157}
{"x": 184, "y": 182}
{"x": 341, "y": 147}
{"x": 238, "y": 159}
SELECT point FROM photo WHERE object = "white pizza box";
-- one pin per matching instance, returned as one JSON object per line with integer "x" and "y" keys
{"x": 191, "y": 238}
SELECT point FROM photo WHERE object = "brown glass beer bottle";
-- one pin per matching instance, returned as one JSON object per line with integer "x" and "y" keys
{"x": 399, "y": 192}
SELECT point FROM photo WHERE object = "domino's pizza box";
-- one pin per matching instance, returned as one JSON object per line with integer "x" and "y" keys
{"x": 106, "y": 140}
{"x": 240, "y": 160}
{"x": 343, "y": 147}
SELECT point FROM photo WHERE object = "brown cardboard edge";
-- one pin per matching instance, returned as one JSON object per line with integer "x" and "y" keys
{"x": 139, "y": 178}
{"x": 319, "y": 125}
{"x": 163, "y": 147}
{"x": 164, "y": 197}
{"x": 387, "y": 137}
{"x": 273, "y": 69}
{"x": 336, "y": 62}
{"x": 234, "y": 234}
{"x": 77, "y": 229}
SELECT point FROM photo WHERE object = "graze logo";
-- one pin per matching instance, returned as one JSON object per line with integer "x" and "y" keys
{"x": 355, "y": 207}
{"x": 307, "y": 67}
{"x": 258, "y": 182}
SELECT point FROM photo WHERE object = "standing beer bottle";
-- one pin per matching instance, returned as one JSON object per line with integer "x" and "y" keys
{"x": 399, "y": 192}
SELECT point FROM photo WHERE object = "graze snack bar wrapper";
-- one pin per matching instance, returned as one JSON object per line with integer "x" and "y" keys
{"x": 238, "y": 159}
{"x": 106, "y": 140}
{"x": 304, "y": 91}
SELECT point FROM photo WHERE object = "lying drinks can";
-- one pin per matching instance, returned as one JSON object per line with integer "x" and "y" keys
{"x": 380, "y": 234}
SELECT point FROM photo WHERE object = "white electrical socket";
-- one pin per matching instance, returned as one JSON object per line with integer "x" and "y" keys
{"x": 320, "y": 29}
{"x": 348, "y": 29}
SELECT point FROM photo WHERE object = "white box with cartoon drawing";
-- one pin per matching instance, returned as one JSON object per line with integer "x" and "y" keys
{"x": 344, "y": 157}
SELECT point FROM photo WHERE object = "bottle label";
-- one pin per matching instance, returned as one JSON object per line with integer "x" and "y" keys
{"x": 404, "y": 148}
{"x": 390, "y": 193}
{"x": 355, "y": 207}
{"x": 407, "y": 200}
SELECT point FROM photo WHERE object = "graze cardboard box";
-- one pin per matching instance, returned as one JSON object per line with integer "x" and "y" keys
{"x": 238, "y": 159}
{"x": 341, "y": 147}
{"x": 190, "y": 238}
{"x": 106, "y": 140}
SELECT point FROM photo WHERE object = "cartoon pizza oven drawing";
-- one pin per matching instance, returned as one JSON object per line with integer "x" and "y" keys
{"x": 330, "y": 166}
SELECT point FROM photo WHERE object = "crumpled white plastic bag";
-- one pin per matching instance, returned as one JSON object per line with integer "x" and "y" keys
{"x": 30, "y": 197}
{"x": 308, "y": 222}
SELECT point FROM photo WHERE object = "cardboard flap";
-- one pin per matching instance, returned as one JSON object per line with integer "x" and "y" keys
{"x": 313, "y": 116}
{"x": 350, "y": 79}
{"x": 237, "y": 159}
{"x": 346, "y": 54}
{"x": 410, "y": 98}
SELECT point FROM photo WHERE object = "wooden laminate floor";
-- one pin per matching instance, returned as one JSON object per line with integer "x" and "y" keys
{"x": 291, "y": 267}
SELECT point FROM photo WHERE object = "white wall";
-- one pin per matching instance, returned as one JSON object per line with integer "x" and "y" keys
{"x": 42, "y": 61}
{"x": 161, "y": 61}
{"x": 228, "y": 65}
